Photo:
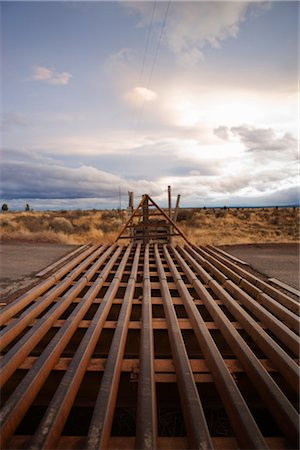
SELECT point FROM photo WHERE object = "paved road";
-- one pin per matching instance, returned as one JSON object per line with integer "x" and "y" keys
{"x": 279, "y": 261}
{"x": 20, "y": 261}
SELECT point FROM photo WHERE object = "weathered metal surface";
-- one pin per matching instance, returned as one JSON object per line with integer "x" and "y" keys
{"x": 150, "y": 346}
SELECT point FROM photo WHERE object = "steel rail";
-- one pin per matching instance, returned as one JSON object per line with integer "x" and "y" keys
{"x": 283, "y": 362}
{"x": 284, "y": 299}
{"x": 279, "y": 406}
{"x": 17, "y": 305}
{"x": 58, "y": 263}
{"x": 16, "y": 406}
{"x": 12, "y": 359}
{"x": 194, "y": 418}
{"x": 241, "y": 419}
{"x": 101, "y": 422}
{"x": 15, "y": 327}
{"x": 146, "y": 424}
{"x": 273, "y": 305}
{"x": 279, "y": 329}
{"x": 51, "y": 426}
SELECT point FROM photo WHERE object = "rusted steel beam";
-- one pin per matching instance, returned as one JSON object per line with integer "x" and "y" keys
{"x": 58, "y": 263}
{"x": 17, "y": 305}
{"x": 16, "y": 327}
{"x": 227, "y": 255}
{"x": 160, "y": 365}
{"x": 284, "y": 299}
{"x": 279, "y": 329}
{"x": 20, "y": 350}
{"x": 131, "y": 217}
{"x": 279, "y": 406}
{"x": 18, "y": 403}
{"x": 273, "y": 305}
{"x": 195, "y": 421}
{"x": 176, "y": 208}
{"x": 283, "y": 362}
{"x": 146, "y": 427}
{"x": 285, "y": 286}
{"x": 170, "y": 220}
{"x": 101, "y": 422}
{"x": 57, "y": 413}
{"x": 242, "y": 421}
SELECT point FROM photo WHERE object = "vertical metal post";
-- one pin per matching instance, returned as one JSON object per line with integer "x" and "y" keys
{"x": 169, "y": 202}
{"x": 176, "y": 208}
{"x": 145, "y": 220}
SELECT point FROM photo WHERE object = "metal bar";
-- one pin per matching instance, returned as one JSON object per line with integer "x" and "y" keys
{"x": 283, "y": 362}
{"x": 242, "y": 421}
{"x": 176, "y": 208}
{"x": 169, "y": 202}
{"x": 145, "y": 220}
{"x": 284, "y": 299}
{"x": 14, "y": 409}
{"x": 170, "y": 220}
{"x": 195, "y": 421}
{"x": 275, "y": 325}
{"x": 101, "y": 422}
{"x": 227, "y": 255}
{"x": 131, "y": 217}
{"x": 282, "y": 312}
{"x": 20, "y": 350}
{"x": 160, "y": 365}
{"x": 56, "y": 415}
{"x": 285, "y": 286}
{"x": 146, "y": 427}
{"x": 14, "y": 328}
{"x": 21, "y": 302}
{"x": 53, "y": 266}
{"x": 279, "y": 406}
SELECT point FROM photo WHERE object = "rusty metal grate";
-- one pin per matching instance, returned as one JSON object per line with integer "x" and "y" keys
{"x": 150, "y": 346}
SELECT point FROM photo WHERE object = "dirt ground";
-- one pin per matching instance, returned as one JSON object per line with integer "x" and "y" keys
{"x": 21, "y": 261}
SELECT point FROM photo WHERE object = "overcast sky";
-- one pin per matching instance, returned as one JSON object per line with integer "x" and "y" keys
{"x": 199, "y": 95}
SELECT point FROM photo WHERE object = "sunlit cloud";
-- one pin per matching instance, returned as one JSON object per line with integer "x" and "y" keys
{"x": 140, "y": 95}
{"x": 50, "y": 76}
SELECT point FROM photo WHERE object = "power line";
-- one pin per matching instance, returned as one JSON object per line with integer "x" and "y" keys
{"x": 154, "y": 62}
{"x": 147, "y": 43}
{"x": 158, "y": 43}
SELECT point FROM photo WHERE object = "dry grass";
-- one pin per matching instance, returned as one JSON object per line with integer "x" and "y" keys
{"x": 201, "y": 226}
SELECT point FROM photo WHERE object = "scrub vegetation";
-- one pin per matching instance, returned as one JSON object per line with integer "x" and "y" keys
{"x": 219, "y": 226}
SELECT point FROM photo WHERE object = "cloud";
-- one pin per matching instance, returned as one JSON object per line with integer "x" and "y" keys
{"x": 258, "y": 139}
{"x": 14, "y": 119}
{"x": 29, "y": 177}
{"x": 50, "y": 76}
{"x": 193, "y": 26}
{"x": 140, "y": 95}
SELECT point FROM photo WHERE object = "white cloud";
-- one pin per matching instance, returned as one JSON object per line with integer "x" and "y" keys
{"x": 140, "y": 95}
{"x": 50, "y": 76}
{"x": 192, "y": 26}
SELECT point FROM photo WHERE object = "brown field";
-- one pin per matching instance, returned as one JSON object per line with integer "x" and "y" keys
{"x": 218, "y": 226}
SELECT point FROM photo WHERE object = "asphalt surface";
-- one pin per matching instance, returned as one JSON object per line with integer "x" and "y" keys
{"x": 20, "y": 262}
{"x": 280, "y": 261}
